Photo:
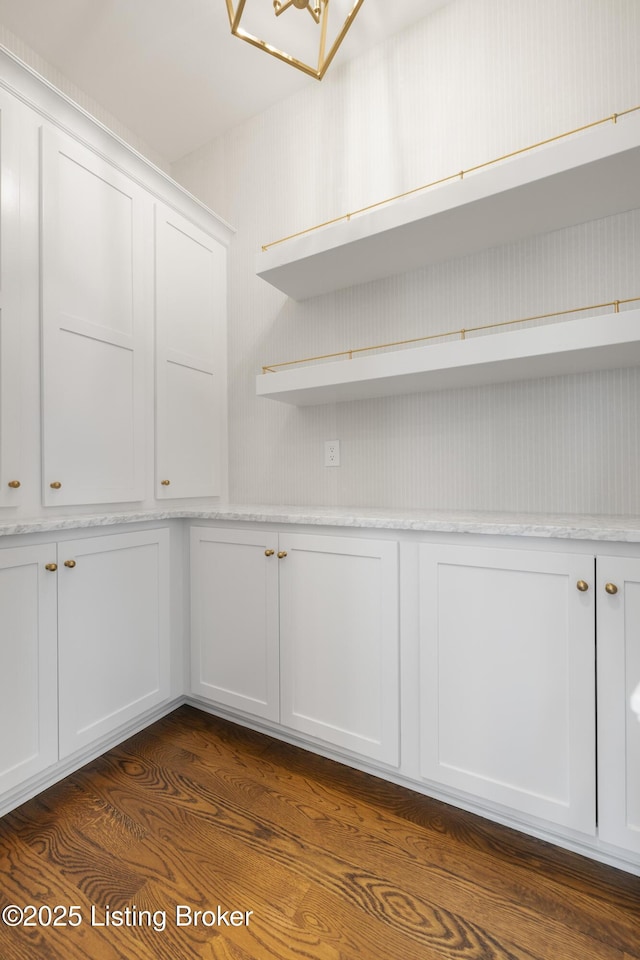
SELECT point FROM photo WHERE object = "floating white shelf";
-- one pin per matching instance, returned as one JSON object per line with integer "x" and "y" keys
{"x": 572, "y": 346}
{"x": 586, "y": 176}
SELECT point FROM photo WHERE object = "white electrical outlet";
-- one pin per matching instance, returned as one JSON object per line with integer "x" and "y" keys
{"x": 332, "y": 453}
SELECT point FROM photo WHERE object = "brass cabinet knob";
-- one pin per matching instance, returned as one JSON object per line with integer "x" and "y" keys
{"x": 52, "y": 567}
{"x": 55, "y": 485}
{"x": 269, "y": 553}
{"x": 282, "y": 554}
{"x": 611, "y": 588}
{"x": 70, "y": 563}
{"x": 165, "y": 483}
{"x": 582, "y": 586}
{"x": 14, "y": 484}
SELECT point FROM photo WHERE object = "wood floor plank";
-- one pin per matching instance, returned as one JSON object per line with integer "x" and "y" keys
{"x": 446, "y": 892}
{"x": 409, "y": 855}
{"x": 499, "y": 843}
{"x": 333, "y": 864}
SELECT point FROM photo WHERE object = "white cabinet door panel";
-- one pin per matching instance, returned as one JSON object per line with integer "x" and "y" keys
{"x": 113, "y": 632}
{"x": 11, "y": 427}
{"x": 95, "y": 297}
{"x": 618, "y": 727}
{"x": 191, "y": 358}
{"x": 339, "y": 642}
{"x": 234, "y": 619}
{"x": 507, "y": 679}
{"x": 189, "y": 432}
{"x": 28, "y": 664}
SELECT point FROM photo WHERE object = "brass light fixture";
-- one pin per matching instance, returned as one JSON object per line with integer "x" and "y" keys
{"x": 314, "y": 39}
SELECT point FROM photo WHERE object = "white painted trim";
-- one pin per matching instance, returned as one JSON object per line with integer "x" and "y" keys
{"x": 58, "y": 109}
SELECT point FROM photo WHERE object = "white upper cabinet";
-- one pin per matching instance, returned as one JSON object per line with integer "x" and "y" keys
{"x": 11, "y": 458}
{"x": 99, "y": 253}
{"x": 190, "y": 309}
{"x": 95, "y": 303}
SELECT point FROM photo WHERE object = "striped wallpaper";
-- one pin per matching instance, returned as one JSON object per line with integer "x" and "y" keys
{"x": 475, "y": 79}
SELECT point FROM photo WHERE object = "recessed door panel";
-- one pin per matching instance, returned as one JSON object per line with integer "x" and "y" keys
{"x": 11, "y": 426}
{"x": 339, "y": 642}
{"x": 618, "y": 726}
{"x": 96, "y": 304}
{"x": 190, "y": 309}
{"x": 28, "y": 664}
{"x": 507, "y": 678}
{"x": 234, "y": 619}
{"x": 113, "y": 632}
{"x": 95, "y": 226}
{"x": 191, "y": 429}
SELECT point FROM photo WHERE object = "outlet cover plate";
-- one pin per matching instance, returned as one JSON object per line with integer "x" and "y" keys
{"x": 332, "y": 453}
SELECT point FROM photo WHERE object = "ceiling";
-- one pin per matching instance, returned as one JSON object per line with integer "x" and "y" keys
{"x": 170, "y": 70}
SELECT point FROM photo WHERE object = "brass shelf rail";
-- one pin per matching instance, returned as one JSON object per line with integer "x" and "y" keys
{"x": 458, "y": 175}
{"x": 461, "y": 333}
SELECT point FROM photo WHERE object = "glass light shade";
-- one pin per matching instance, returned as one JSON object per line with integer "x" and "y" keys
{"x": 303, "y": 33}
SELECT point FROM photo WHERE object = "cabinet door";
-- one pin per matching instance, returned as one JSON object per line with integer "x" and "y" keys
{"x": 190, "y": 307}
{"x": 507, "y": 679}
{"x": 113, "y": 624}
{"x": 28, "y": 670}
{"x": 234, "y": 619}
{"x": 618, "y": 728}
{"x": 339, "y": 642}
{"x": 95, "y": 307}
{"x": 11, "y": 427}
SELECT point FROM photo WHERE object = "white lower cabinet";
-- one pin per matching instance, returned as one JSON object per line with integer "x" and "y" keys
{"x": 505, "y": 650}
{"x": 507, "y": 674}
{"x": 84, "y": 644}
{"x": 618, "y": 727}
{"x": 302, "y": 629}
{"x": 339, "y": 642}
{"x": 113, "y": 629}
{"x": 234, "y": 619}
{"x": 28, "y": 678}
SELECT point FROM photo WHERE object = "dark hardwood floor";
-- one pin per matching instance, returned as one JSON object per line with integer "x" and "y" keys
{"x": 286, "y": 855}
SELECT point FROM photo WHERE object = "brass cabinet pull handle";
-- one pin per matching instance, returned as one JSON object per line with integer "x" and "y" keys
{"x": 269, "y": 553}
{"x": 282, "y": 554}
{"x": 611, "y": 588}
{"x": 14, "y": 484}
{"x": 52, "y": 567}
{"x": 55, "y": 485}
{"x": 165, "y": 483}
{"x": 70, "y": 563}
{"x": 582, "y": 586}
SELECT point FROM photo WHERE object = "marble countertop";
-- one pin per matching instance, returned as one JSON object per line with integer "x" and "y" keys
{"x": 570, "y": 527}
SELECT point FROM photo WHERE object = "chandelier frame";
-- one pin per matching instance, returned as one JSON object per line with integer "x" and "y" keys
{"x": 236, "y": 10}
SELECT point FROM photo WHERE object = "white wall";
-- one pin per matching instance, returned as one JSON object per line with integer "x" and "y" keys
{"x": 474, "y": 80}
{"x": 20, "y": 49}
